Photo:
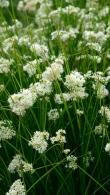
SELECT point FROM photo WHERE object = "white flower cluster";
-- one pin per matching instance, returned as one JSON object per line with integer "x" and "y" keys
{"x": 24, "y": 41}
{"x": 107, "y": 148}
{"x": 94, "y": 40}
{"x": 105, "y": 112}
{"x": 101, "y": 130}
{"x": 2, "y": 87}
{"x": 92, "y": 58}
{"x": 28, "y": 5}
{"x": 99, "y": 85}
{"x": 76, "y": 80}
{"x": 72, "y": 162}
{"x": 101, "y": 90}
{"x": 19, "y": 165}
{"x": 66, "y": 151}
{"x": 40, "y": 50}
{"x": 4, "y": 3}
{"x": 98, "y": 77}
{"x": 39, "y": 141}
{"x": 92, "y": 36}
{"x": 75, "y": 83}
{"x": 41, "y": 89}
{"x": 6, "y": 130}
{"x": 16, "y": 26}
{"x": 65, "y": 35}
{"x": 53, "y": 114}
{"x": 41, "y": 17}
{"x": 30, "y": 68}
{"x": 104, "y": 12}
{"x": 91, "y": 4}
{"x": 71, "y": 10}
{"x": 5, "y": 65}
{"x": 17, "y": 188}
{"x": 79, "y": 112}
{"x": 94, "y": 46}
{"x": 21, "y": 101}
{"x": 63, "y": 97}
{"x": 59, "y": 138}
{"x": 54, "y": 71}
{"x": 87, "y": 159}
{"x": 68, "y": 10}
{"x": 8, "y": 44}
{"x": 25, "y": 99}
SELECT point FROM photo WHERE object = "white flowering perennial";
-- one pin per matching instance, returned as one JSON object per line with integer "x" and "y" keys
{"x": 87, "y": 159}
{"x": 2, "y": 88}
{"x": 105, "y": 112}
{"x": 40, "y": 50}
{"x": 21, "y": 101}
{"x": 107, "y": 148}
{"x": 74, "y": 79}
{"x": 6, "y": 130}
{"x": 92, "y": 36}
{"x": 41, "y": 89}
{"x": 62, "y": 98}
{"x": 19, "y": 165}
{"x": 17, "y": 188}
{"x": 65, "y": 35}
{"x": 75, "y": 83}
{"x": 8, "y": 44}
{"x": 101, "y": 130}
{"x": 17, "y": 25}
{"x": 54, "y": 71}
{"x": 30, "y": 68}
{"x": 54, "y": 75}
{"x": 59, "y": 138}
{"x": 68, "y": 10}
{"x": 5, "y": 65}
{"x": 92, "y": 58}
{"x": 4, "y": 3}
{"x": 66, "y": 151}
{"x": 25, "y": 99}
{"x": 39, "y": 141}
{"x": 28, "y": 5}
{"x": 71, "y": 162}
{"x": 53, "y": 114}
{"x": 99, "y": 84}
{"x": 101, "y": 90}
{"x": 41, "y": 17}
{"x": 24, "y": 41}
{"x": 79, "y": 112}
